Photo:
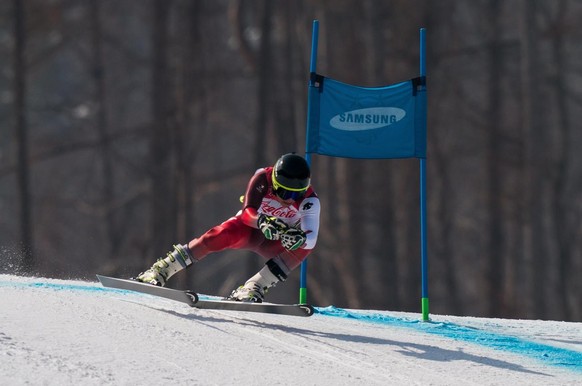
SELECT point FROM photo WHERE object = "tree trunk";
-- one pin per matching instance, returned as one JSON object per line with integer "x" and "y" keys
{"x": 383, "y": 246}
{"x": 563, "y": 233}
{"x": 535, "y": 240}
{"x": 24, "y": 190}
{"x": 163, "y": 202}
{"x": 495, "y": 266}
{"x": 264, "y": 84}
{"x": 107, "y": 191}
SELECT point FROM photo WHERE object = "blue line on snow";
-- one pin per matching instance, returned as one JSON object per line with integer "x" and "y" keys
{"x": 60, "y": 287}
{"x": 548, "y": 354}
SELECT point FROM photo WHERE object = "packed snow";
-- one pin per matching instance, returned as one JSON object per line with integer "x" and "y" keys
{"x": 56, "y": 332}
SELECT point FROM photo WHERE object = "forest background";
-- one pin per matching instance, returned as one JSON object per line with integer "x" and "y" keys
{"x": 128, "y": 126}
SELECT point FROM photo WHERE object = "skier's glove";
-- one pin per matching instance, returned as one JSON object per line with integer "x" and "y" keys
{"x": 272, "y": 227}
{"x": 293, "y": 239}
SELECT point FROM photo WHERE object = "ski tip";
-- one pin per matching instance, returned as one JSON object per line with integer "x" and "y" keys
{"x": 193, "y": 297}
{"x": 309, "y": 310}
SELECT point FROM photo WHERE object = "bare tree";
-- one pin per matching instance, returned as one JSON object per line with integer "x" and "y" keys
{"x": 163, "y": 203}
{"x": 26, "y": 221}
{"x": 495, "y": 274}
{"x": 536, "y": 168}
{"x": 108, "y": 184}
{"x": 564, "y": 230}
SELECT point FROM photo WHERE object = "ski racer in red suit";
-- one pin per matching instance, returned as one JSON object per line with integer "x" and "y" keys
{"x": 279, "y": 220}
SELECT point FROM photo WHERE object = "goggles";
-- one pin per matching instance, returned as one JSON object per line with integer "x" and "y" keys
{"x": 286, "y": 193}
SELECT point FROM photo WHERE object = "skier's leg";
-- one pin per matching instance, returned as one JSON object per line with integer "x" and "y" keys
{"x": 230, "y": 234}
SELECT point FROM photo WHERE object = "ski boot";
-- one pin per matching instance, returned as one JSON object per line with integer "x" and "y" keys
{"x": 251, "y": 292}
{"x": 163, "y": 269}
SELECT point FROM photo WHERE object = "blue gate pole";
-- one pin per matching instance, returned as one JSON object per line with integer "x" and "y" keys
{"x": 312, "y": 70}
{"x": 423, "y": 215}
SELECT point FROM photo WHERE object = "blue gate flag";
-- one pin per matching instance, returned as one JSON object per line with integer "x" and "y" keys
{"x": 362, "y": 122}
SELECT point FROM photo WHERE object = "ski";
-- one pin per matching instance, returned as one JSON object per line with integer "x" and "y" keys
{"x": 268, "y": 308}
{"x": 187, "y": 297}
{"x": 192, "y": 299}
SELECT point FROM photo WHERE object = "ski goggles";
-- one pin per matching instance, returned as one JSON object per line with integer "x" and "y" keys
{"x": 285, "y": 193}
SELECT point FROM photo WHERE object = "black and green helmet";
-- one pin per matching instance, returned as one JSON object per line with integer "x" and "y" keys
{"x": 291, "y": 177}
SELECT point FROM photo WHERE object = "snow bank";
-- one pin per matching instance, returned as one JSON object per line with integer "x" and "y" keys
{"x": 58, "y": 332}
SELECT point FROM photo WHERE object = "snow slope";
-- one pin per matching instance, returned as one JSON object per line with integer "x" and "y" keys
{"x": 58, "y": 332}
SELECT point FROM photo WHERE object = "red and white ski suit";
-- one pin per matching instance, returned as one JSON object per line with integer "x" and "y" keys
{"x": 241, "y": 231}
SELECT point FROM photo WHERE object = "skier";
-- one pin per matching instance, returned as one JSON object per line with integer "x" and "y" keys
{"x": 279, "y": 220}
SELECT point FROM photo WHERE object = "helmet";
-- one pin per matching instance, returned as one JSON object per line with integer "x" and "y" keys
{"x": 291, "y": 177}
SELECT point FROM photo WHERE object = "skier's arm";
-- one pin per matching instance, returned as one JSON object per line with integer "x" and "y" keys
{"x": 310, "y": 209}
{"x": 256, "y": 189}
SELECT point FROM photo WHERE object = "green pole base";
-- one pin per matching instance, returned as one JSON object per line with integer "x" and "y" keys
{"x": 302, "y": 295}
{"x": 425, "y": 317}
